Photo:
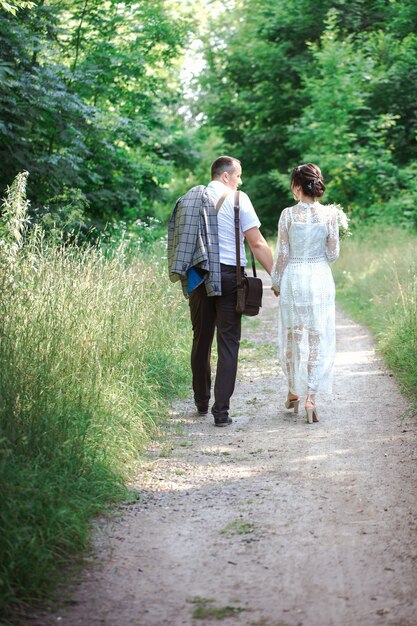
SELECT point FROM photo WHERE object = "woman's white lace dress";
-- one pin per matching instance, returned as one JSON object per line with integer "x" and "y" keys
{"x": 308, "y": 240}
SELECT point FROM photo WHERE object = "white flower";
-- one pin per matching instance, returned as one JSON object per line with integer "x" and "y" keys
{"x": 343, "y": 223}
{"x": 342, "y": 219}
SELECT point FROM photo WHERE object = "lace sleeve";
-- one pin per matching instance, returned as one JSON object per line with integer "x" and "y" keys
{"x": 332, "y": 243}
{"x": 282, "y": 252}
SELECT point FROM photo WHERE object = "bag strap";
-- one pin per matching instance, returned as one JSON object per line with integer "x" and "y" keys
{"x": 221, "y": 200}
{"x": 236, "y": 208}
{"x": 252, "y": 258}
{"x": 237, "y": 240}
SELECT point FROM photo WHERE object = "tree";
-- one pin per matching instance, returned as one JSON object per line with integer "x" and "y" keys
{"x": 337, "y": 129}
{"x": 279, "y": 90}
{"x": 89, "y": 102}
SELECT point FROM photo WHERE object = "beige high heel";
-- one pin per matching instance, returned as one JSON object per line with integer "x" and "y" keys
{"x": 311, "y": 413}
{"x": 292, "y": 402}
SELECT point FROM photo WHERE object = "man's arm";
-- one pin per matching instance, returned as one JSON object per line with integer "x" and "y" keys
{"x": 260, "y": 248}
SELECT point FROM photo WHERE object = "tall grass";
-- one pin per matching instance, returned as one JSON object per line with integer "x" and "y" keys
{"x": 376, "y": 281}
{"x": 91, "y": 346}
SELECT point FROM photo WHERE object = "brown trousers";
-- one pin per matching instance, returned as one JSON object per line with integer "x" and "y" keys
{"x": 207, "y": 314}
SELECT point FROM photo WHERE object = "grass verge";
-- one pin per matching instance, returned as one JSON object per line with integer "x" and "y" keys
{"x": 91, "y": 346}
{"x": 376, "y": 283}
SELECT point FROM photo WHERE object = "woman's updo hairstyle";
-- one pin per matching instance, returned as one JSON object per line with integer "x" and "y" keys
{"x": 309, "y": 178}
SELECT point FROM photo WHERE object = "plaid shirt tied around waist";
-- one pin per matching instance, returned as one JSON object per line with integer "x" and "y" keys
{"x": 193, "y": 240}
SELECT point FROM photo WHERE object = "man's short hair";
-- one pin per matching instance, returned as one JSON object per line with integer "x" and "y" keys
{"x": 223, "y": 164}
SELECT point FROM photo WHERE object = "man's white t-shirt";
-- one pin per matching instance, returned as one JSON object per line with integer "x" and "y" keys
{"x": 226, "y": 221}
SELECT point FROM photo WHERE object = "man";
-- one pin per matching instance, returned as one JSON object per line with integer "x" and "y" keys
{"x": 202, "y": 251}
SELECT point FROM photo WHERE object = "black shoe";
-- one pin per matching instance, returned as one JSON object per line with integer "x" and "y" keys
{"x": 223, "y": 421}
{"x": 202, "y": 410}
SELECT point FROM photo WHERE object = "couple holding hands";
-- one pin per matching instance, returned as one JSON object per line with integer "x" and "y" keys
{"x": 202, "y": 254}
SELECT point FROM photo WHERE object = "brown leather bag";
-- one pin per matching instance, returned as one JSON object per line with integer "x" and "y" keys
{"x": 249, "y": 288}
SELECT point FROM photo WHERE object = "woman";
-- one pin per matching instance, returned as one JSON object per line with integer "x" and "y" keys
{"x": 308, "y": 240}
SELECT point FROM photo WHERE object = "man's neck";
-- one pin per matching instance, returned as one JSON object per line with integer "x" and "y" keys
{"x": 217, "y": 180}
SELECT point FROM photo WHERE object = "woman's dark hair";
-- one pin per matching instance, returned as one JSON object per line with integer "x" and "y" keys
{"x": 309, "y": 178}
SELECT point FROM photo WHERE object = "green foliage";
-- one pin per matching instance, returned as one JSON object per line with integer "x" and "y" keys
{"x": 376, "y": 284}
{"x": 64, "y": 216}
{"x": 89, "y": 100}
{"x": 338, "y": 129}
{"x": 294, "y": 81}
{"x": 90, "y": 97}
{"x": 141, "y": 236}
{"x": 91, "y": 344}
{"x": 17, "y": 4}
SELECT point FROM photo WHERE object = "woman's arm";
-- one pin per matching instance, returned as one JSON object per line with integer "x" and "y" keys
{"x": 332, "y": 243}
{"x": 282, "y": 252}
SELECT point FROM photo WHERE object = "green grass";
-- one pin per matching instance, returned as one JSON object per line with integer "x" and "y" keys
{"x": 238, "y": 527}
{"x": 90, "y": 349}
{"x": 204, "y": 609}
{"x": 376, "y": 283}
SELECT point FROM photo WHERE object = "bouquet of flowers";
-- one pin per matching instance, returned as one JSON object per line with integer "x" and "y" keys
{"x": 343, "y": 223}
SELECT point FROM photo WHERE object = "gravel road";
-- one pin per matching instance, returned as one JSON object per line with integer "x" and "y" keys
{"x": 271, "y": 521}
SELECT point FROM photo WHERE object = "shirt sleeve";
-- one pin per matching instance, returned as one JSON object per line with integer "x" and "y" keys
{"x": 282, "y": 252}
{"x": 248, "y": 217}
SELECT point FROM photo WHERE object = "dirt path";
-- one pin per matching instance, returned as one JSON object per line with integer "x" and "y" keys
{"x": 270, "y": 522}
